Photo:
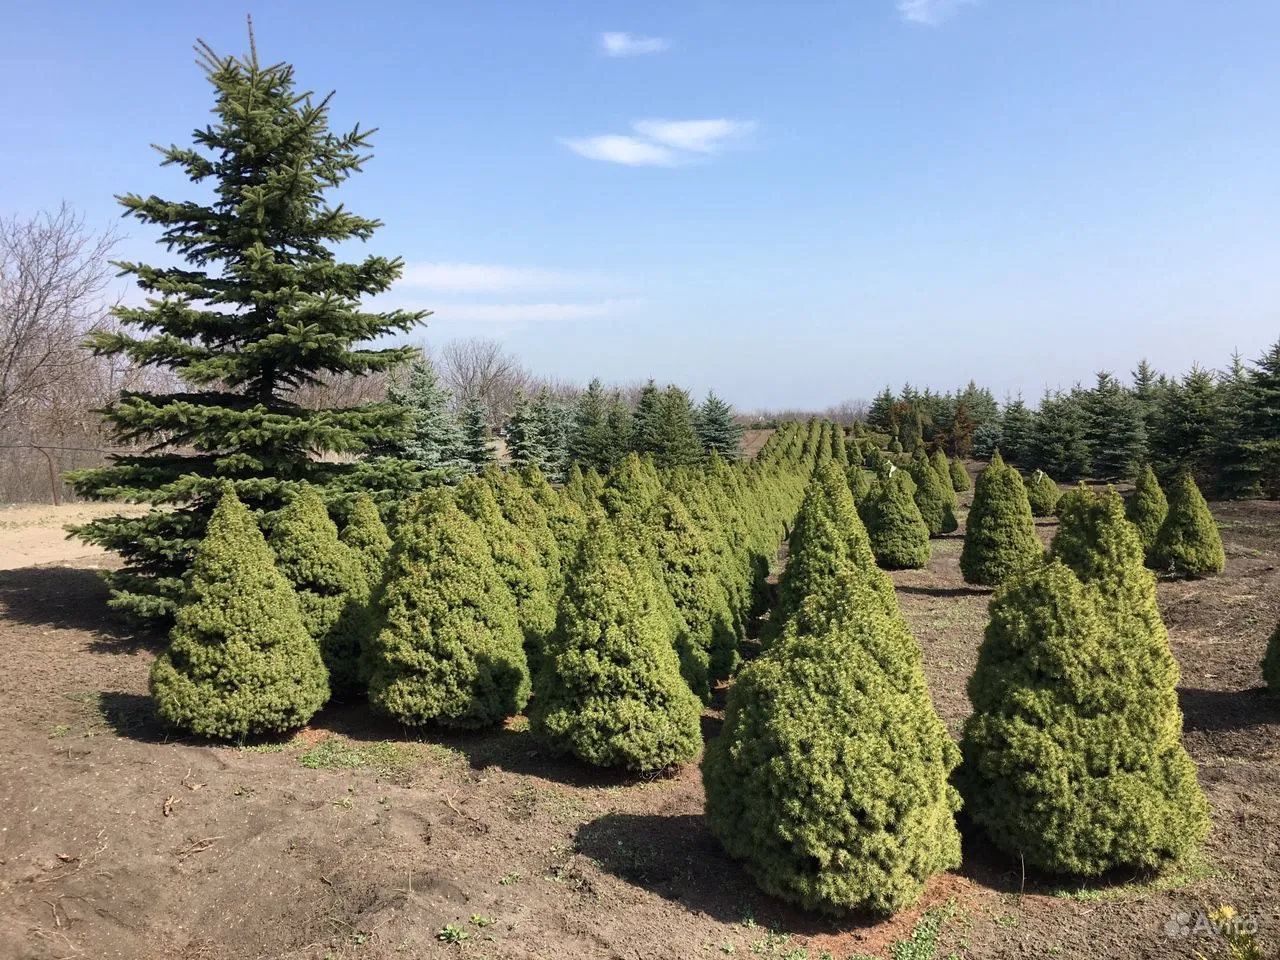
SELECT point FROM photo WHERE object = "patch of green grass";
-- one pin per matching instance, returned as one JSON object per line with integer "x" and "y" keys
{"x": 922, "y": 944}
{"x": 339, "y": 753}
{"x": 61, "y": 730}
{"x": 1187, "y": 872}
{"x": 452, "y": 933}
{"x": 509, "y": 879}
{"x": 273, "y": 746}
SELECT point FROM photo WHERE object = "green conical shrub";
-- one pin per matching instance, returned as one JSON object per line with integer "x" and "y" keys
{"x": 522, "y": 510}
{"x": 706, "y": 640}
{"x": 329, "y": 577}
{"x": 899, "y": 535}
{"x": 240, "y": 661}
{"x": 1147, "y": 508}
{"x": 1073, "y": 758}
{"x": 1271, "y": 663}
{"x": 1188, "y": 543}
{"x": 516, "y": 561}
{"x": 610, "y": 692}
{"x": 942, "y": 466}
{"x": 565, "y": 517}
{"x": 450, "y": 650}
{"x": 1042, "y": 494}
{"x": 829, "y": 779}
{"x": 367, "y": 535}
{"x": 859, "y": 482}
{"x": 936, "y": 503}
{"x": 1000, "y": 537}
{"x": 959, "y": 476}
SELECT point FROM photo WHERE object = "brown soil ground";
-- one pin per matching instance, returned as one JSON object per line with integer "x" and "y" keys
{"x": 358, "y": 840}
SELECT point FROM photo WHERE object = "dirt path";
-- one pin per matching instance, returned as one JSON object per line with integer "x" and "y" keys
{"x": 352, "y": 841}
{"x": 32, "y": 536}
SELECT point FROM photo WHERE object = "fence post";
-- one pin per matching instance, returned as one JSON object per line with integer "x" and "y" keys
{"x": 53, "y": 475}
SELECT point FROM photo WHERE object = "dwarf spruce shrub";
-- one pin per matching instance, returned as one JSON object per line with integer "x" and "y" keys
{"x": 1271, "y": 663}
{"x": 1073, "y": 757}
{"x": 898, "y": 533}
{"x": 1188, "y": 543}
{"x": 240, "y": 660}
{"x": 859, "y": 482}
{"x": 959, "y": 476}
{"x": 610, "y": 691}
{"x": 936, "y": 502}
{"x": 1000, "y": 537}
{"x": 330, "y": 580}
{"x": 942, "y": 466}
{"x": 450, "y": 649}
{"x": 367, "y": 535}
{"x": 830, "y": 777}
{"x": 1042, "y": 494}
{"x": 1146, "y": 508}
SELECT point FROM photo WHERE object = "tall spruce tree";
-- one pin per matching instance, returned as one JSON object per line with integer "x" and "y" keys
{"x": 1017, "y": 424}
{"x": 1186, "y": 427}
{"x": 1261, "y": 422}
{"x": 526, "y": 444}
{"x": 642, "y": 440}
{"x": 477, "y": 448}
{"x": 590, "y": 442}
{"x": 1058, "y": 444}
{"x": 260, "y": 307}
{"x": 673, "y": 437}
{"x": 718, "y": 431}
{"x": 1114, "y": 429}
{"x": 621, "y": 430}
{"x": 434, "y": 440}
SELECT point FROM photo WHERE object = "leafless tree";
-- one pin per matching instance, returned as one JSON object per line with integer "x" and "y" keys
{"x": 847, "y": 412}
{"x": 53, "y": 281}
{"x": 482, "y": 368}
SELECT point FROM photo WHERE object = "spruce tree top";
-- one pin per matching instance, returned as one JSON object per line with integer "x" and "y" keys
{"x": 717, "y": 429}
{"x": 259, "y": 307}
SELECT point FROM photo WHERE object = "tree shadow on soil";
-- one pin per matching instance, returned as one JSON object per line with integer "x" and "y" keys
{"x": 133, "y": 716}
{"x": 1221, "y": 710}
{"x": 70, "y": 598}
{"x": 677, "y": 858}
{"x": 944, "y": 591}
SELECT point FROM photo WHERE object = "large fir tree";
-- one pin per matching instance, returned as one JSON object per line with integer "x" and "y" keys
{"x": 1262, "y": 420}
{"x": 590, "y": 442}
{"x": 673, "y": 438}
{"x": 717, "y": 429}
{"x": 435, "y": 440}
{"x": 259, "y": 307}
{"x": 477, "y": 448}
{"x": 1114, "y": 429}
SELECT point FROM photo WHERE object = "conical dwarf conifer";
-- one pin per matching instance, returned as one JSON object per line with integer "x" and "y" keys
{"x": 1000, "y": 537}
{"x": 1147, "y": 508}
{"x": 1073, "y": 757}
{"x": 936, "y": 502}
{"x": 859, "y": 482}
{"x": 450, "y": 648}
{"x": 829, "y": 779}
{"x": 1042, "y": 494}
{"x": 366, "y": 534}
{"x": 899, "y": 535}
{"x": 942, "y": 466}
{"x": 959, "y": 476}
{"x": 330, "y": 580}
{"x": 240, "y": 661}
{"x": 1188, "y": 543}
{"x": 610, "y": 691}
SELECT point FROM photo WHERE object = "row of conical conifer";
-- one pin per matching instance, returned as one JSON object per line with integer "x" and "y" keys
{"x": 482, "y": 581}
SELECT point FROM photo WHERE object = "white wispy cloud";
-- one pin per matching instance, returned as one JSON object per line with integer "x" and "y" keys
{"x": 662, "y": 143}
{"x": 930, "y": 13}
{"x": 697, "y": 136}
{"x": 618, "y": 148}
{"x": 519, "y": 313}
{"x": 626, "y": 45}
{"x": 487, "y": 277}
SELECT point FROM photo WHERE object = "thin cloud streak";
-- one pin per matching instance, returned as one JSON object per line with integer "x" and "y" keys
{"x": 617, "y": 148}
{"x": 625, "y": 45}
{"x": 697, "y": 136}
{"x": 930, "y": 13}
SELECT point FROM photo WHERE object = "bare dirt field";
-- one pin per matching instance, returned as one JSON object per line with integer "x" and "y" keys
{"x": 358, "y": 840}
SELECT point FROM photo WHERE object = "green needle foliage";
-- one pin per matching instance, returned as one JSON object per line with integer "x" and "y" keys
{"x": 477, "y": 446}
{"x": 830, "y": 777}
{"x": 435, "y": 440}
{"x": 719, "y": 432}
{"x": 1147, "y": 508}
{"x": 240, "y": 661}
{"x": 257, "y": 307}
{"x": 1073, "y": 756}
{"x": 610, "y": 692}
{"x": 450, "y": 647}
{"x": 959, "y": 476}
{"x": 330, "y": 580}
{"x": 515, "y": 560}
{"x": 1188, "y": 543}
{"x": 367, "y": 535}
{"x": 936, "y": 501}
{"x": 859, "y": 482}
{"x": 1000, "y": 537}
{"x": 1042, "y": 494}
{"x": 1271, "y": 663}
{"x": 942, "y": 466}
{"x": 899, "y": 535}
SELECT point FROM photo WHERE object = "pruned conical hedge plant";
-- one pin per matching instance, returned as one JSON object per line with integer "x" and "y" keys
{"x": 450, "y": 650}
{"x": 899, "y": 535}
{"x": 367, "y": 535}
{"x": 1147, "y": 508}
{"x": 1000, "y": 537}
{"x": 936, "y": 502}
{"x": 1073, "y": 759}
{"x": 1042, "y": 494}
{"x": 240, "y": 661}
{"x": 1188, "y": 544}
{"x": 609, "y": 691}
{"x": 959, "y": 476}
{"x": 829, "y": 779}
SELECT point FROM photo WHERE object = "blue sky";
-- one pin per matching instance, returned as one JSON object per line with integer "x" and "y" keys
{"x": 792, "y": 202}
